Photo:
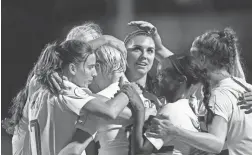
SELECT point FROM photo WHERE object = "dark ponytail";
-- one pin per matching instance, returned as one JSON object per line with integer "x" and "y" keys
{"x": 17, "y": 107}
{"x": 52, "y": 59}
{"x": 49, "y": 62}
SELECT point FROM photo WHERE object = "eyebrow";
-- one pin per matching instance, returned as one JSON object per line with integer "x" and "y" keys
{"x": 141, "y": 46}
{"x": 91, "y": 64}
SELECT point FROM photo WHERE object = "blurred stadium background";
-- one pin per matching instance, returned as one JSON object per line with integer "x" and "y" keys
{"x": 28, "y": 25}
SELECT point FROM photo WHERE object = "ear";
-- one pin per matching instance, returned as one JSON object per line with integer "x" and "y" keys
{"x": 72, "y": 68}
{"x": 202, "y": 59}
{"x": 98, "y": 67}
{"x": 182, "y": 79}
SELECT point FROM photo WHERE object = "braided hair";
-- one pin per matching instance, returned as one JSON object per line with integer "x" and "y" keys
{"x": 221, "y": 48}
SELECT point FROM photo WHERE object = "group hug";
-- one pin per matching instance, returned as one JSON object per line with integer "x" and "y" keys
{"x": 95, "y": 87}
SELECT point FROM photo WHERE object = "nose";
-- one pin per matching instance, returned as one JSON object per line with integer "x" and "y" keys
{"x": 144, "y": 54}
{"x": 94, "y": 73}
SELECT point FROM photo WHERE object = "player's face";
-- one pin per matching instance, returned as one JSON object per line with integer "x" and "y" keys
{"x": 169, "y": 82}
{"x": 104, "y": 79}
{"x": 140, "y": 55}
{"x": 85, "y": 72}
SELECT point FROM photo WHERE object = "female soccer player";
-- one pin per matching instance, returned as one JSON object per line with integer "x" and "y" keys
{"x": 176, "y": 76}
{"x": 226, "y": 122}
{"x": 163, "y": 52}
{"x": 111, "y": 133}
{"x": 51, "y": 116}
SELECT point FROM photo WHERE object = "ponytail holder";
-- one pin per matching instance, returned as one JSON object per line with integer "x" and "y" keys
{"x": 57, "y": 48}
{"x": 222, "y": 34}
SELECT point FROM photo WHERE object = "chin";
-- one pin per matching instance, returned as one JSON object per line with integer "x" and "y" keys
{"x": 142, "y": 71}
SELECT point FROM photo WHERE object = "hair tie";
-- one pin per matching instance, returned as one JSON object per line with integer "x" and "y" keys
{"x": 222, "y": 34}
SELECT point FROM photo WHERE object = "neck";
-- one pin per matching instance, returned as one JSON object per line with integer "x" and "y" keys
{"x": 183, "y": 94}
{"x": 140, "y": 79}
{"x": 218, "y": 75}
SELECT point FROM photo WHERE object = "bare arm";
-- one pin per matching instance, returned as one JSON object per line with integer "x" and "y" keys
{"x": 107, "y": 39}
{"x": 78, "y": 144}
{"x": 139, "y": 144}
{"x": 210, "y": 142}
{"x": 109, "y": 109}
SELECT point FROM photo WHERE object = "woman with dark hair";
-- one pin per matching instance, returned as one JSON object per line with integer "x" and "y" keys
{"x": 112, "y": 134}
{"x": 226, "y": 122}
{"x": 177, "y": 75}
{"x": 51, "y": 116}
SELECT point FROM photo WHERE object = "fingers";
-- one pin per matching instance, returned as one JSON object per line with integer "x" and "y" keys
{"x": 241, "y": 102}
{"x": 143, "y": 25}
{"x": 137, "y": 88}
{"x": 65, "y": 78}
{"x": 245, "y": 106}
{"x": 152, "y": 134}
{"x": 248, "y": 111}
{"x": 123, "y": 80}
{"x": 56, "y": 80}
{"x": 162, "y": 116}
{"x": 248, "y": 94}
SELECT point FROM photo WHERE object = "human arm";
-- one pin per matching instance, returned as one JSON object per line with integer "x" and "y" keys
{"x": 79, "y": 143}
{"x": 138, "y": 143}
{"x": 214, "y": 140}
{"x": 210, "y": 142}
{"x": 108, "y": 39}
{"x": 161, "y": 51}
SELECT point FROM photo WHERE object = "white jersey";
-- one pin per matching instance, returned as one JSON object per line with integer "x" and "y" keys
{"x": 20, "y": 136}
{"x": 180, "y": 114}
{"x": 111, "y": 134}
{"x": 51, "y": 120}
{"x": 223, "y": 103}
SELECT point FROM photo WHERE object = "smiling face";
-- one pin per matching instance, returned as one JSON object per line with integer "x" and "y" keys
{"x": 141, "y": 54}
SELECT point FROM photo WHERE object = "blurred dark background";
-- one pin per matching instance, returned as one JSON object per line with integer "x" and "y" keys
{"x": 28, "y": 25}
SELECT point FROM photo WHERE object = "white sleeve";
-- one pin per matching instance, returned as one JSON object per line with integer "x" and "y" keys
{"x": 110, "y": 91}
{"x": 156, "y": 142}
{"x": 220, "y": 104}
{"x": 75, "y": 101}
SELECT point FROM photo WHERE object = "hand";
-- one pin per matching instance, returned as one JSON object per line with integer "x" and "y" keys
{"x": 6, "y": 124}
{"x": 62, "y": 85}
{"x": 137, "y": 87}
{"x": 161, "y": 51}
{"x": 136, "y": 103}
{"x": 149, "y": 28}
{"x": 56, "y": 82}
{"x": 162, "y": 127}
{"x": 246, "y": 102}
{"x": 123, "y": 80}
{"x": 145, "y": 26}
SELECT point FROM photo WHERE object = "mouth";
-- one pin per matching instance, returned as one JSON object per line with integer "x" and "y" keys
{"x": 142, "y": 64}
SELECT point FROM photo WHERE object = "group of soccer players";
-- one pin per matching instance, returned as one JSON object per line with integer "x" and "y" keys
{"x": 95, "y": 87}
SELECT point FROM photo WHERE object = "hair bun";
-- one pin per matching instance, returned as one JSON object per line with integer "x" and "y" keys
{"x": 230, "y": 35}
